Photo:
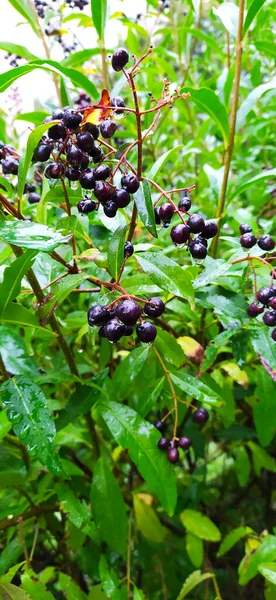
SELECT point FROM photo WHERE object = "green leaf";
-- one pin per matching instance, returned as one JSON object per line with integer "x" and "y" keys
{"x": 26, "y": 10}
{"x": 264, "y": 410}
{"x": 249, "y": 103}
{"x": 99, "y": 8}
{"x": 228, "y": 13}
{"x": 232, "y": 538}
{"x": 147, "y": 521}
{"x": 195, "y": 388}
{"x": 70, "y": 588}
{"x": 18, "y": 50}
{"x": 266, "y": 47}
{"x": 75, "y": 59}
{"x": 31, "y": 420}
{"x": 253, "y": 10}
{"x": 169, "y": 349}
{"x": 77, "y": 511}
{"x": 242, "y": 465}
{"x": 269, "y": 174}
{"x": 14, "y": 353}
{"x": 138, "y": 594}
{"x": 128, "y": 370}
{"x": 149, "y": 398}
{"x": 140, "y": 438}
{"x": 108, "y": 507}
{"x": 27, "y": 234}
{"x": 19, "y": 315}
{"x": 191, "y": 582}
{"x": 8, "y": 577}
{"x": 81, "y": 401}
{"x": 261, "y": 459}
{"x": 109, "y": 580}
{"x": 25, "y": 161}
{"x": 161, "y": 161}
{"x": 9, "y": 591}
{"x": 263, "y": 345}
{"x": 249, "y": 565}
{"x": 13, "y": 276}
{"x": 200, "y": 35}
{"x": 167, "y": 274}
{"x": 36, "y": 589}
{"x": 60, "y": 292}
{"x": 143, "y": 201}
{"x": 115, "y": 255}
{"x": 6, "y": 185}
{"x": 194, "y": 548}
{"x": 268, "y": 570}
{"x": 36, "y": 117}
{"x": 209, "y": 103}
{"x": 200, "y": 525}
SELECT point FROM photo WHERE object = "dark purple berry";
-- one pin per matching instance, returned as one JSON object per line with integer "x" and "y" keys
{"x": 121, "y": 197}
{"x": 33, "y": 198}
{"x": 58, "y": 113}
{"x": 272, "y": 302}
{"x": 200, "y": 240}
{"x": 119, "y": 104}
{"x": 173, "y": 455}
{"x": 71, "y": 119}
{"x": 114, "y": 330}
{"x": 160, "y": 425}
{"x": 154, "y": 307}
{"x": 254, "y": 309}
{"x": 102, "y": 331}
{"x": 180, "y": 233}
{"x": 110, "y": 209}
{"x": 102, "y": 172}
{"x": 128, "y": 330}
{"x": 87, "y": 180}
{"x": 42, "y": 152}
{"x": 209, "y": 230}
{"x": 96, "y": 315}
{"x": 264, "y": 294}
{"x": 72, "y": 174}
{"x": 198, "y": 250}
{"x": 184, "y": 442}
{"x": 74, "y": 156}
{"x": 269, "y": 318}
{"x": 57, "y": 132}
{"x": 273, "y": 335}
{"x": 244, "y": 228}
{"x": 184, "y": 204}
{"x": 146, "y": 332}
{"x": 266, "y": 242}
{"x": 107, "y": 128}
{"x": 84, "y": 162}
{"x": 10, "y": 166}
{"x": 130, "y": 182}
{"x": 85, "y": 141}
{"x": 54, "y": 170}
{"x": 102, "y": 191}
{"x": 196, "y": 223}
{"x": 166, "y": 211}
{"x": 128, "y": 249}
{"x": 201, "y": 416}
{"x": 163, "y": 444}
{"x": 86, "y": 206}
{"x": 93, "y": 129}
{"x": 157, "y": 215}
{"x": 97, "y": 154}
{"x": 29, "y": 187}
{"x": 248, "y": 240}
{"x": 128, "y": 312}
{"x": 119, "y": 59}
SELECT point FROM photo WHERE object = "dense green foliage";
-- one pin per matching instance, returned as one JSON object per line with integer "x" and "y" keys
{"x": 90, "y": 507}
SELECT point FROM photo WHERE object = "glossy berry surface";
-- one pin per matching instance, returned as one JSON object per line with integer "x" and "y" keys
{"x": 85, "y": 141}
{"x": 110, "y": 209}
{"x": 266, "y": 242}
{"x": 244, "y": 228}
{"x": 146, "y": 332}
{"x": 201, "y": 416}
{"x": 273, "y": 335}
{"x": 33, "y": 198}
{"x": 130, "y": 182}
{"x": 196, "y": 223}
{"x": 157, "y": 215}
{"x": 209, "y": 230}
{"x": 173, "y": 455}
{"x": 128, "y": 249}
{"x": 114, "y": 330}
{"x": 254, "y": 309}
{"x": 248, "y": 240}
{"x": 160, "y": 425}
{"x": 119, "y": 104}
{"x": 96, "y": 315}
{"x": 269, "y": 318}
{"x": 128, "y": 330}
{"x": 58, "y": 113}
{"x": 119, "y": 59}
{"x": 264, "y": 294}
{"x": 107, "y": 128}
{"x": 121, "y": 197}
{"x": 128, "y": 312}
{"x": 166, "y": 212}
{"x": 272, "y": 302}
{"x": 163, "y": 443}
{"x": 71, "y": 119}
{"x": 93, "y": 129}
{"x": 154, "y": 307}
{"x": 42, "y": 152}
{"x": 101, "y": 173}
{"x": 198, "y": 250}
{"x": 54, "y": 170}
{"x": 200, "y": 240}
{"x": 86, "y": 206}
{"x": 10, "y": 166}
{"x": 72, "y": 174}
{"x": 184, "y": 442}
{"x": 184, "y": 204}
{"x": 180, "y": 233}
{"x": 57, "y": 132}
{"x": 87, "y": 180}
{"x": 102, "y": 191}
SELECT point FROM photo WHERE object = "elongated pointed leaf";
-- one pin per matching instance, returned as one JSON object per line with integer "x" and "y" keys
{"x": 143, "y": 201}
{"x": 228, "y": 13}
{"x": 154, "y": 170}
{"x": 13, "y": 276}
{"x": 31, "y": 420}
{"x": 268, "y": 571}
{"x": 14, "y": 353}
{"x": 115, "y": 255}
{"x": 251, "y": 100}
{"x": 19, "y": 315}
{"x": 167, "y": 274}
{"x": 194, "y": 387}
{"x": 60, "y": 292}
{"x": 209, "y": 103}
{"x": 147, "y": 521}
{"x": 8, "y": 591}
{"x": 264, "y": 346}
{"x": 232, "y": 538}
{"x": 140, "y": 438}
{"x": 27, "y": 234}
{"x": 36, "y": 589}
{"x": 99, "y": 8}
{"x": 26, "y": 10}
{"x": 253, "y": 10}
{"x": 18, "y": 50}
{"x": 78, "y": 511}
{"x": 191, "y": 582}
{"x": 81, "y": 401}
{"x": 204, "y": 37}
{"x": 200, "y": 525}
{"x": 250, "y": 182}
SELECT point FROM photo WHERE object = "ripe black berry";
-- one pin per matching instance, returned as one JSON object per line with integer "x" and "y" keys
{"x": 154, "y": 307}
{"x": 71, "y": 119}
{"x": 28, "y": 187}
{"x": 72, "y": 174}
{"x": 121, "y": 197}
{"x": 42, "y": 152}
{"x": 180, "y": 233}
{"x": 108, "y": 128}
{"x": 102, "y": 191}
{"x": 54, "y": 170}
{"x": 163, "y": 443}
{"x": 119, "y": 59}
{"x": 85, "y": 141}
{"x": 248, "y": 240}
{"x": 209, "y": 230}
{"x": 128, "y": 249}
{"x": 96, "y": 315}
{"x": 128, "y": 330}
{"x": 114, "y": 330}
{"x": 254, "y": 309}
{"x": 97, "y": 154}
{"x": 264, "y": 294}
{"x": 84, "y": 162}
{"x": 166, "y": 211}
{"x": 146, "y": 332}
{"x": 160, "y": 425}
{"x": 273, "y": 335}
{"x": 86, "y": 206}
{"x": 266, "y": 242}
{"x": 33, "y": 198}
{"x": 118, "y": 102}
{"x": 58, "y": 113}
{"x": 201, "y": 416}
{"x": 198, "y": 250}
{"x": 57, "y": 132}
{"x": 102, "y": 172}
{"x": 10, "y": 166}
{"x": 200, "y": 240}
{"x": 269, "y": 318}
{"x": 272, "y": 302}
{"x": 74, "y": 156}
{"x": 87, "y": 180}
{"x": 184, "y": 204}
{"x": 128, "y": 312}
{"x": 93, "y": 129}
{"x": 130, "y": 182}
{"x": 184, "y": 442}
{"x": 157, "y": 215}
{"x": 110, "y": 209}
{"x": 244, "y": 228}
{"x": 173, "y": 455}
{"x": 196, "y": 223}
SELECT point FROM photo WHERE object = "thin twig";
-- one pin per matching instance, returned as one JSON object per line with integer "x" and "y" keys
{"x": 167, "y": 375}
{"x": 23, "y": 542}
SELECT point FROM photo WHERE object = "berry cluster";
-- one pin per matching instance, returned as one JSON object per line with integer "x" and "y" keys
{"x": 118, "y": 319}
{"x": 80, "y": 4}
{"x": 265, "y": 298}
{"x": 195, "y": 224}
{"x": 200, "y": 416}
{"x": 248, "y": 239}
{"x": 8, "y": 160}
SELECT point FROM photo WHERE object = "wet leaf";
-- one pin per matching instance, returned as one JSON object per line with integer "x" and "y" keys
{"x": 26, "y": 234}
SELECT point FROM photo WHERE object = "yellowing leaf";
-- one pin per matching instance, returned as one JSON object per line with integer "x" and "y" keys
{"x": 236, "y": 373}
{"x": 98, "y": 112}
{"x": 191, "y": 348}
